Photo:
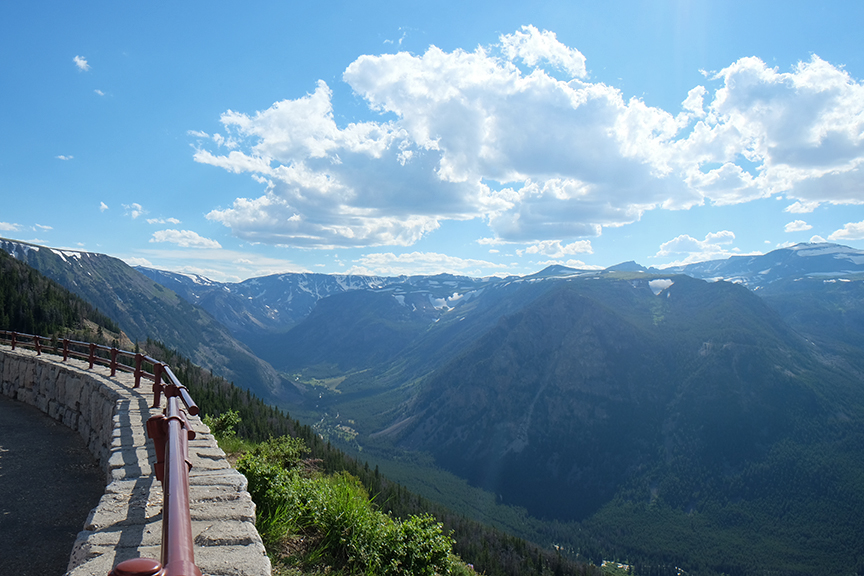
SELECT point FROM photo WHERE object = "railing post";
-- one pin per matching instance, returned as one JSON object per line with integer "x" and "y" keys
{"x": 139, "y": 359}
{"x": 113, "y": 361}
{"x": 157, "y": 385}
{"x": 92, "y": 354}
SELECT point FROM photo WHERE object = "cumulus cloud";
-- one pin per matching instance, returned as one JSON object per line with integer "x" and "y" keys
{"x": 467, "y": 135}
{"x": 851, "y": 231}
{"x": 9, "y": 227}
{"x": 533, "y": 46}
{"x": 801, "y": 207}
{"x": 163, "y": 221}
{"x": 136, "y": 261}
{"x": 99, "y": 92}
{"x": 556, "y": 249}
{"x": 184, "y": 239}
{"x": 64, "y": 157}
{"x": 134, "y": 210}
{"x": 797, "y": 226}
{"x": 389, "y": 264}
{"x": 714, "y": 247}
{"x": 103, "y": 206}
{"x": 81, "y": 63}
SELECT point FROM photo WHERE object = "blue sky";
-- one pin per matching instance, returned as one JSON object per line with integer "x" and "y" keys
{"x": 241, "y": 139}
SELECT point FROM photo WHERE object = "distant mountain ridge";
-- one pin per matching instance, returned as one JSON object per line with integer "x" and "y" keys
{"x": 824, "y": 261}
{"x": 145, "y": 309}
{"x": 276, "y": 303}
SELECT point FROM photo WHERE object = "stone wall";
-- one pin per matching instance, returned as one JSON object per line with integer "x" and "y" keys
{"x": 127, "y": 522}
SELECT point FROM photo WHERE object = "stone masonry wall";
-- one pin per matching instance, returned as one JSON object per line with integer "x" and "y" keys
{"x": 127, "y": 522}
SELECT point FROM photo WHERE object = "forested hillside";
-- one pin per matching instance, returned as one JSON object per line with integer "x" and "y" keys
{"x": 490, "y": 551}
{"x": 145, "y": 309}
{"x": 33, "y": 304}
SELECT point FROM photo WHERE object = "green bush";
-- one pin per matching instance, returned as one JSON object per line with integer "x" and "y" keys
{"x": 224, "y": 425}
{"x": 334, "y": 512}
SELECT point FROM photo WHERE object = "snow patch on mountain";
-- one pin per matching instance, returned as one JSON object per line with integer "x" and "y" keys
{"x": 659, "y": 284}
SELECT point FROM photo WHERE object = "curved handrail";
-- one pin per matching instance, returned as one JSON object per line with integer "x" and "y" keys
{"x": 170, "y": 432}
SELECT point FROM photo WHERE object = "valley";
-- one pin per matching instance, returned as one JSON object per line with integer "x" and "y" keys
{"x": 707, "y": 417}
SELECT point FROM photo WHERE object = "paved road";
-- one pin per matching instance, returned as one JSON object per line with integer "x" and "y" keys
{"x": 49, "y": 482}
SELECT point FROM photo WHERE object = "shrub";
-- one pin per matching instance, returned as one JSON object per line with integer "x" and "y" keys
{"x": 335, "y": 513}
{"x": 224, "y": 425}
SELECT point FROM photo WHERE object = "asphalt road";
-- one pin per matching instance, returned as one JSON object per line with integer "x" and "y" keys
{"x": 49, "y": 482}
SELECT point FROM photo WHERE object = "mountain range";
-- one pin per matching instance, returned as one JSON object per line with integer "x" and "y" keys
{"x": 145, "y": 309}
{"x": 706, "y": 416}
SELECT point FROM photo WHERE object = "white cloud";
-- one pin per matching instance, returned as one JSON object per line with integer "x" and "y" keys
{"x": 37, "y": 227}
{"x": 851, "y": 231}
{"x": 713, "y": 247}
{"x": 555, "y": 249}
{"x": 533, "y": 46}
{"x": 103, "y": 206}
{"x": 215, "y": 263}
{"x": 817, "y": 240}
{"x": 9, "y": 227}
{"x": 134, "y": 261}
{"x": 802, "y": 130}
{"x": 81, "y": 63}
{"x": 801, "y": 207}
{"x": 389, "y": 264}
{"x": 99, "y": 92}
{"x": 472, "y": 135}
{"x": 163, "y": 221}
{"x": 64, "y": 157}
{"x": 797, "y": 226}
{"x": 184, "y": 239}
{"x": 134, "y": 210}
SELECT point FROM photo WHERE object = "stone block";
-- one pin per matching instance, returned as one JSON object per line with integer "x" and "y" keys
{"x": 222, "y": 533}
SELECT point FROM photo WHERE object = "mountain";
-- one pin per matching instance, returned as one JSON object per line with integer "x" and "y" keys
{"x": 145, "y": 309}
{"x": 817, "y": 261}
{"x": 816, "y": 288}
{"x": 638, "y": 414}
{"x": 614, "y": 370}
{"x": 264, "y": 305}
{"x": 33, "y": 304}
{"x": 706, "y": 417}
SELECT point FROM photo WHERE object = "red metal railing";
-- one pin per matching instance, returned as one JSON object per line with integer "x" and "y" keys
{"x": 170, "y": 432}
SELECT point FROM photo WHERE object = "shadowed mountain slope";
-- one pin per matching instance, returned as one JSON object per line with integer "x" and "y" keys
{"x": 145, "y": 309}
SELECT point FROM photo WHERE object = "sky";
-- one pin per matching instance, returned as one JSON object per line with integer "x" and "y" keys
{"x": 236, "y": 140}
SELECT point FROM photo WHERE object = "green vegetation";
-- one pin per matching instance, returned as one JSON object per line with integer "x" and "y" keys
{"x": 391, "y": 513}
{"x": 33, "y": 304}
{"x": 315, "y": 519}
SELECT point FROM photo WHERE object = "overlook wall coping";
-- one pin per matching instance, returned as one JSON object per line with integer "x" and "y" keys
{"x": 127, "y": 522}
